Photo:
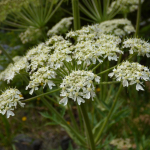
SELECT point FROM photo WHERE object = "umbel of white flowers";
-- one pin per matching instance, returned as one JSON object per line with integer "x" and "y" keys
{"x": 78, "y": 85}
{"x": 46, "y": 62}
{"x": 9, "y": 100}
{"x": 131, "y": 73}
{"x": 60, "y": 26}
{"x": 138, "y": 46}
{"x": 125, "y": 6}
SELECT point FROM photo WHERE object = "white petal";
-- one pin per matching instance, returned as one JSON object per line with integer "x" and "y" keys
{"x": 68, "y": 58}
{"x": 97, "y": 79}
{"x": 21, "y": 104}
{"x": 9, "y": 113}
{"x": 64, "y": 100}
{"x": 50, "y": 84}
{"x": 125, "y": 83}
{"x": 87, "y": 96}
{"x": 139, "y": 87}
{"x": 31, "y": 91}
{"x": 111, "y": 74}
{"x": 80, "y": 100}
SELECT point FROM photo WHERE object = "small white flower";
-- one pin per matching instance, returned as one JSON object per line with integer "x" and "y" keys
{"x": 131, "y": 73}
{"x": 9, "y": 100}
{"x": 78, "y": 85}
{"x": 137, "y": 46}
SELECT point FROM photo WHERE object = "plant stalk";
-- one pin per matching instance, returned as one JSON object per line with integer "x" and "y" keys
{"x": 30, "y": 99}
{"x": 88, "y": 127}
{"x": 97, "y": 139}
{"x": 138, "y": 19}
{"x": 76, "y": 14}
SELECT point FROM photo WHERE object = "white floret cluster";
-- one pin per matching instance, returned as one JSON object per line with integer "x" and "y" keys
{"x": 137, "y": 46}
{"x": 78, "y": 85}
{"x": 125, "y": 6}
{"x": 9, "y": 100}
{"x": 62, "y": 52}
{"x": 61, "y": 26}
{"x": 90, "y": 29}
{"x": 90, "y": 51}
{"x": 13, "y": 69}
{"x": 121, "y": 143}
{"x": 118, "y": 27}
{"x": 30, "y": 34}
{"x": 41, "y": 77}
{"x": 38, "y": 56}
{"x": 54, "y": 39}
{"x": 131, "y": 73}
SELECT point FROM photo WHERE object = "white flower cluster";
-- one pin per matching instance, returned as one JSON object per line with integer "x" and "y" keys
{"x": 13, "y": 69}
{"x": 91, "y": 50}
{"x": 131, "y": 73}
{"x": 62, "y": 52}
{"x": 61, "y": 26}
{"x": 30, "y": 34}
{"x": 125, "y": 6}
{"x": 9, "y": 100}
{"x": 91, "y": 30}
{"x": 38, "y": 56}
{"x": 118, "y": 27}
{"x": 137, "y": 46}
{"x": 78, "y": 85}
{"x": 54, "y": 39}
{"x": 41, "y": 77}
{"x": 121, "y": 143}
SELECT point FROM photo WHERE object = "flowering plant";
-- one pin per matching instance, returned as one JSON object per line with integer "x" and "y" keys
{"x": 75, "y": 65}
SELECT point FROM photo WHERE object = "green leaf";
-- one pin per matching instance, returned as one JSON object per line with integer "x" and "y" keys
{"x": 45, "y": 115}
{"x": 50, "y": 124}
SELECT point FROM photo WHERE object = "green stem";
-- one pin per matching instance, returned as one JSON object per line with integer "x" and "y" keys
{"x": 72, "y": 117}
{"x": 97, "y": 139}
{"x": 51, "y": 99}
{"x": 138, "y": 19}
{"x": 107, "y": 70}
{"x": 80, "y": 118}
{"x": 109, "y": 93}
{"x": 67, "y": 66}
{"x": 88, "y": 127}
{"x": 76, "y": 14}
{"x": 41, "y": 95}
{"x": 98, "y": 65}
{"x": 1, "y": 48}
{"x": 112, "y": 82}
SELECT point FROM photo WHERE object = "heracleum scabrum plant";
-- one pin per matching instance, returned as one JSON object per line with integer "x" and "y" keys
{"x": 70, "y": 65}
